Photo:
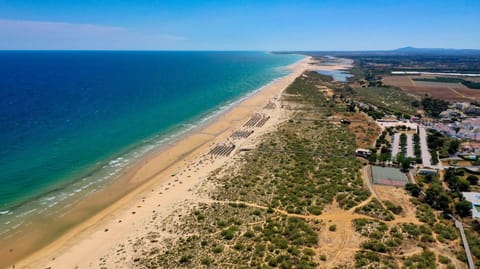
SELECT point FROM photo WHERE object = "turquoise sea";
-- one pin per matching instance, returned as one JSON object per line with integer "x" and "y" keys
{"x": 71, "y": 120}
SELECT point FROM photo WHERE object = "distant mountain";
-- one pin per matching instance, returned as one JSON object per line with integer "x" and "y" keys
{"x": 413, "y": 50}
{"x": 406, "y": 51}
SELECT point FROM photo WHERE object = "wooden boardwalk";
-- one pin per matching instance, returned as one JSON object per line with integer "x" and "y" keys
{"x": 459, "y": 225}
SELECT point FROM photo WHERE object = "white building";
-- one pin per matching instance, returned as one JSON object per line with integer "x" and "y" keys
{"x": 474, "y": 198}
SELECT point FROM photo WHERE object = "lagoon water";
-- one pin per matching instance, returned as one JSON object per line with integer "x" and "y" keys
{"x": 70, "y": 120}
{"x": 338, "y": 75}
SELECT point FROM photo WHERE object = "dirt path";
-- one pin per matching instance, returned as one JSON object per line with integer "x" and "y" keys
{"x": 459, "y": 94}
{"x": 331, "y": 216}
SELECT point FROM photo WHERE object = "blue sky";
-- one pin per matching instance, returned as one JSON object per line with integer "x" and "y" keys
{"x": 238, "y": 25}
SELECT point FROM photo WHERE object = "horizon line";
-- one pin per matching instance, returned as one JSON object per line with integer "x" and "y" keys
{"x": 240, "y": 50}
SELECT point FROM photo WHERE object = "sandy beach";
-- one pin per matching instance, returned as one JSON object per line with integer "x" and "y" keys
{"x": 335, "y": 64}
{"x": 163, "y": 183}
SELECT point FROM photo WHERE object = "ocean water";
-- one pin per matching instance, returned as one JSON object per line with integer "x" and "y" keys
{"x": 70, "y": 120}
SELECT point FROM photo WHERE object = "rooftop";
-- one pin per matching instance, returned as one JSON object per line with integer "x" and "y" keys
{"x": 472, "y": 197}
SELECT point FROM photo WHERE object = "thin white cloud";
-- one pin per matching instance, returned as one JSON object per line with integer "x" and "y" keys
{"x": 25, "y": 34}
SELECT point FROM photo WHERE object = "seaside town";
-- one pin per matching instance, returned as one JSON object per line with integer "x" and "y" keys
{"x": 409, "y": 138}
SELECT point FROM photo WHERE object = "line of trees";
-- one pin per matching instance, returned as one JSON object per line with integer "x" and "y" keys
{"x": 416, "y": 148}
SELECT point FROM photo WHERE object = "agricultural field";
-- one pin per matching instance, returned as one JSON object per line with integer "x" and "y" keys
{"x": 466, "y": 82}
{"x": 439, "y": 89}
{"x": 398, "y": 81}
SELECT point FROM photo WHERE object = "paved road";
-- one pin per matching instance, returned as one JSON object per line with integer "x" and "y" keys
{"x": 395, "y": 145}
{"x": 410, "y": 151}
{"x": 426, "y": 157}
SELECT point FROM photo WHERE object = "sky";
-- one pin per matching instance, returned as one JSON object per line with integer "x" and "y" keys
{"x": 238, "y": 25}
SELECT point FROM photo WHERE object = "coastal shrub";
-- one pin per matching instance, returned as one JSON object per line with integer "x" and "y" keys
{"x": 185, "y": 259}
{"x": 217, "y": 249}
{"x": 426, "y": 259}
{"x": 425, "y": 214}
{"x": 369, "y": 259}
{"x": 228, "y": 234}
{"x": 375, "y": 209}
{"x": 315, "y": 210}
{"x": 206, "y": 261}
{"x": 395, "y": 209}
{"x": 445, "y": 231}
{"x": 411, "y": 230}
{"x": 375, "y": 245}
{"x": 444, "y": 260}
{"x": 370, "y": 228}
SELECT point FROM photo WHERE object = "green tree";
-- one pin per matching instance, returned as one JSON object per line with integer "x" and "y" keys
{"x": 453, "y": 146}
{"x": 436, "y": 197}
{"x": 413, "y": 189}
{"x": 472, "y": 179}
{"x": 428, "y": 178}
{"x": 463, "y": 184}
{"x": 405, "y": 162}
{"x": 455, "y": 183}
{"x": 463, "y": 208}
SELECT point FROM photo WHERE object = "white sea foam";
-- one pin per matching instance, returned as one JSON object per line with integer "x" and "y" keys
{"x": 23, "y": 214}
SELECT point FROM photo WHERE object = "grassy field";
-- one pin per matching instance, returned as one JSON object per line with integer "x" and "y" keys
{"x": 391, "y": 99}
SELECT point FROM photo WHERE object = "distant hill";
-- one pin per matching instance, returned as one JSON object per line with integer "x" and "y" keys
{"x": 406, "y": 51}
{"x": 413, "y": 50}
